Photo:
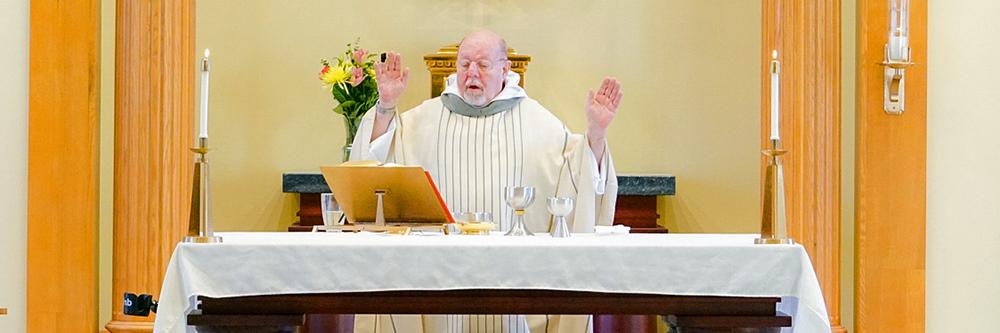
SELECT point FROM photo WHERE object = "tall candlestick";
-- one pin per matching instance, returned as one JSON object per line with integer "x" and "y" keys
{"x": 775, "y": 68}
{"x": 203, "y": 115}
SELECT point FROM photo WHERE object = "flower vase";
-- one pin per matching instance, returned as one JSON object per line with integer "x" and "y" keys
{"x": 351, "y": 125}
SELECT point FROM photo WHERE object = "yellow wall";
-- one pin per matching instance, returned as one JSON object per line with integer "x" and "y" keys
{"x": 13, "y": 161}
{"x": 848, "y": 12}
{"x": 690, "y": 70}
{"x": 107, "y": 162}
{"x": 963, "y": 160}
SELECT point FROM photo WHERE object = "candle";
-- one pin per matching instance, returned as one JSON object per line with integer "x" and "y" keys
{"x": 203, "y": 115}
{"x": 899, "y": 30}
{"x": 775, "y": 68}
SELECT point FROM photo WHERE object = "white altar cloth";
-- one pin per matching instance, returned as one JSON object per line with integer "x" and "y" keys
{"x": 247, "y": 264}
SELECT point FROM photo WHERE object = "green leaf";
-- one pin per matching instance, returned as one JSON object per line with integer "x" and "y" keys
{"x": 339, "y": 94}
{"x": 348, "y": 108}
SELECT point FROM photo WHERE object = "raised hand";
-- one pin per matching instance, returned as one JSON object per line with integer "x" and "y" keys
{"x": 602, "y": 106}
{"x": 391, "y": 78}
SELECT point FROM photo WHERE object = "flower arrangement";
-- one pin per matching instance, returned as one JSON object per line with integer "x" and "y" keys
{"x": 351, "y": 80}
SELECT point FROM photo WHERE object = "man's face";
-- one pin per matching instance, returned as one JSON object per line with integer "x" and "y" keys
{"x": 482, "y": 69}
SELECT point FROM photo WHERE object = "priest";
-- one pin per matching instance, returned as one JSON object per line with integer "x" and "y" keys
{"x": 484, "y": 134}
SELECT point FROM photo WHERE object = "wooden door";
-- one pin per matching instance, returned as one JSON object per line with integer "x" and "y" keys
{"x": 63, "y": 102}
{"x": 891, "y": 169}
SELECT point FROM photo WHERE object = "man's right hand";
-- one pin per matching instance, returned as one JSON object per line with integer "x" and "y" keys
{"x": 391, "y": 78}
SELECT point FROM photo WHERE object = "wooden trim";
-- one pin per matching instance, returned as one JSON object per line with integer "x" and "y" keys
{"x": 119, "y": 326}
{"x": 890, "y": 219}
{"x": 154, "y": 100}
{"x": 489, "y": 301}
{"x": 694, "y": 312}
{"x": 807, "y": 37}
{"x": 64, "y": 107}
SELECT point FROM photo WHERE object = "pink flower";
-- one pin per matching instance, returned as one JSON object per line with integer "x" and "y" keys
{"x": 359, "y": 56}
{"x": 357, "y": 75}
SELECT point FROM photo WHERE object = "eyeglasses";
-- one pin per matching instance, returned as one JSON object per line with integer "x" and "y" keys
{"x": 482, "y": 65}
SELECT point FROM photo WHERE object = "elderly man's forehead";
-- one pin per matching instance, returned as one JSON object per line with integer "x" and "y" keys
{"x": 483, "y": 45}
{"x": 476, "y": 53}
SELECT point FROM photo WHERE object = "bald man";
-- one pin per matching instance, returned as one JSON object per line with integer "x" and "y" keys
{"x": 484, "y": 134}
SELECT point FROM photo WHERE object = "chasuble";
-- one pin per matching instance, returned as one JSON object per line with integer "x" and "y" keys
{"x": 472, "y": 154}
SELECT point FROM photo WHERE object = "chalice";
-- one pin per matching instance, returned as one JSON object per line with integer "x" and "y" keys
{"x": 519, "y": 198}
{"x": 559, "y": 207}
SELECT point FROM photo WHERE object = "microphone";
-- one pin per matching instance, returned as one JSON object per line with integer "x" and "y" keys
{"x": 139, "y": 305}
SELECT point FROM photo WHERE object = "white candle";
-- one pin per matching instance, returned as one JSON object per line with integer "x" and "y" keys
{"x": 775, "y": 68}
{"x": 203, "y": 115}
{"x": 899, "y": 30}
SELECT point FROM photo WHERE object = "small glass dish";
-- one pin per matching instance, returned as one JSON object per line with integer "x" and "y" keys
{"x": 475, "y": 223}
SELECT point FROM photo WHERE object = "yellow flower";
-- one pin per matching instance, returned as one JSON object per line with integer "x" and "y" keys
{"x": 334, "y": 74}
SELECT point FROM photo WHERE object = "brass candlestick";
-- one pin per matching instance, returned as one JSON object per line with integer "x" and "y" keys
{"x": 772, "y": 228}
{"x": 200, "y": 224}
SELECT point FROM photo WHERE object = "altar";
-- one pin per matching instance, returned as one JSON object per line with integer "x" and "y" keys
{"x": 657, "y": 271}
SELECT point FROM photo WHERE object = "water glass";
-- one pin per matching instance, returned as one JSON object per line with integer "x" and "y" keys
{"x": 331, "y": 210}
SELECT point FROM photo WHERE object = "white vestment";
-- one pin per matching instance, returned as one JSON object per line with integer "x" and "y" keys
{"x": 471, "y": 160}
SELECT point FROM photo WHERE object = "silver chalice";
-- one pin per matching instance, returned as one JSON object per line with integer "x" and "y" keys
{"x": 519, "y": 198}
{"x": 559, "y": 207}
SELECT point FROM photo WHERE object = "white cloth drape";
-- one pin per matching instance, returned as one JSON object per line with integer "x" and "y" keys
{"x": 670, "y": 264}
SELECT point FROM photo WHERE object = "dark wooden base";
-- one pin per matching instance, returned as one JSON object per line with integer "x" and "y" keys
{"x": 310, "y": 213}
{"x": 725, "y": 324}
{"x": 638, "y": 212}
{"x": 604, "y": 323}
{"x": 245, "y": 323}
{"x": 686, "y": 313}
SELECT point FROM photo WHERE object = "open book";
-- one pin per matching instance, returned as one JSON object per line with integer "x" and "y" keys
{"x": 410, "y": 196}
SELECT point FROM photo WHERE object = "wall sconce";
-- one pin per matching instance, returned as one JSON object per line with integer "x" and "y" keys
{"x": 897, "y": 56}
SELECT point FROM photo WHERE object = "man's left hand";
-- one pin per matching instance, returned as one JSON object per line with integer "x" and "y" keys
{"x": 602, "y": 106}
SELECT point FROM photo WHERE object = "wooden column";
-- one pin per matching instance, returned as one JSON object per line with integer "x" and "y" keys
{"x": 154, "y": 89}
{"x": 807, "y": 37}
{"x": 64, "y": 107}
{"x": 890, "y": 220}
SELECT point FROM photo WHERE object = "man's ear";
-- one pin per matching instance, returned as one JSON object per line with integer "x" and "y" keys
{"x": 506, "y": 68}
